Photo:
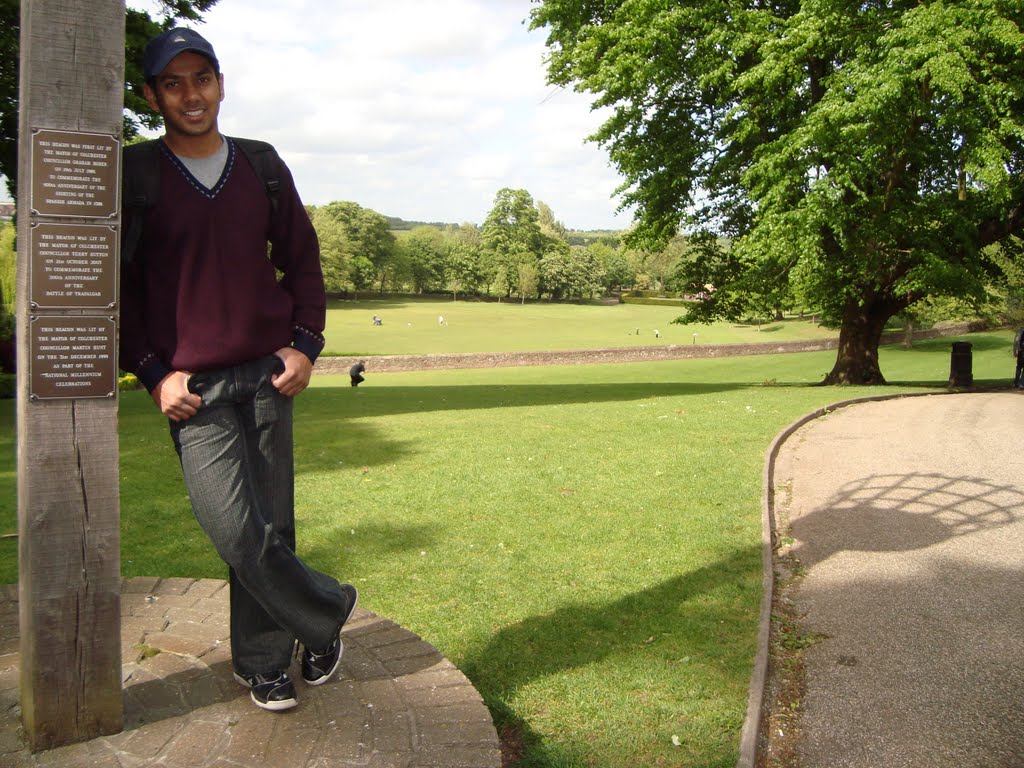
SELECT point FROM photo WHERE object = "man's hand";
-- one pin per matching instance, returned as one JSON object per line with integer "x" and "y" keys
{"x": 173, "y": 399}
{"x": 297, "y": 370}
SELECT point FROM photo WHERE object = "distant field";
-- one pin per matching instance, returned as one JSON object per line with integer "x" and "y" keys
{"x": 411, "y": 327}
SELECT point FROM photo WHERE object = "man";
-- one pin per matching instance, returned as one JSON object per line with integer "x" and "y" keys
{"x": 223, "y": 344}
{"x": 356, "y": 373}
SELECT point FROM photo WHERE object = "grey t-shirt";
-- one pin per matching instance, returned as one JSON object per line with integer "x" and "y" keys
{"x": 207, "y": 170}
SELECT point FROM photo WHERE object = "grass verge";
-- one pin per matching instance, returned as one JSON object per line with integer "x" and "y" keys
{"x": 584, "y": 542}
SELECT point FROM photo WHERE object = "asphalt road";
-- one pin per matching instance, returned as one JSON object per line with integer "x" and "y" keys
{"x": 908, "y": 516}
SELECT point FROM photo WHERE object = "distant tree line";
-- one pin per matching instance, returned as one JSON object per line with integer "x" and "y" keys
{"x": 521, "y": 251}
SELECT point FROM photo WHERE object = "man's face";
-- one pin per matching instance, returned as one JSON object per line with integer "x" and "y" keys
{"x": 188, "y": 94}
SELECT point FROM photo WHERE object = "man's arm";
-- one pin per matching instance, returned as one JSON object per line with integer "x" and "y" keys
{"x": 295, "y": 251}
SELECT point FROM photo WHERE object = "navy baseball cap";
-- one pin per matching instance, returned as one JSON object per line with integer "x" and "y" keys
{"x": 164, "y": 47}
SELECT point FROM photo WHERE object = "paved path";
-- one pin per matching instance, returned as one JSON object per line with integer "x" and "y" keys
{"x": 908, "y": 516}
{"x": 396, "y": 702}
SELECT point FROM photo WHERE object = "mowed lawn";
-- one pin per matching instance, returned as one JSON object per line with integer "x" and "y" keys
{"x": 411, "y": 327}
{"x": 583, "y": 541}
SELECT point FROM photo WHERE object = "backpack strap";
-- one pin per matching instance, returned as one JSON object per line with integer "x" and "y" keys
{"x": 267, "y": 164}
{"x": 140, "y": 188}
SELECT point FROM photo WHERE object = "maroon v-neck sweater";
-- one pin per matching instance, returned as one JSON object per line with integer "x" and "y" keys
{"x": 203, "y": 292}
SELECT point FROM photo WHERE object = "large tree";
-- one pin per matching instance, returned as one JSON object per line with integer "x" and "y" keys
{"x": 510, "y": 236}
{"x": 371, "y": 246}
{"x": 854, "y": 156}
{"x": 139, "y": 27}
{"x": 425, "y": 250}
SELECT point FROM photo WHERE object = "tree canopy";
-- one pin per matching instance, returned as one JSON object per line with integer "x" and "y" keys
{"x": 856, "y": 157}
{"x": 139, "y": 28}
{"x": 356, "y": 247}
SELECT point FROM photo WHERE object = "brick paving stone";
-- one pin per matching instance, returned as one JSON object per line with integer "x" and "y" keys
{"x": 197, "y": 613}
{"x": 139, "y": 584}
{"x": 449, "y": 714}
{"x": 434, "y": 696}
{"x": 293, "y": 742}
{"x": 173, "y": 667}
{"x": 392, "y": 731}
{"x": 131, "y": 625}
{"x": 173, "y": 586}
{"x": 342, "y": 739}
{"x": 149, "y": 742}
{"x": 457, "y": 757}
{"x": 362, "y": 664}
{"x": 165, "y": 602}
{"x": 440, "y": 674}
{"x": 212, "y": 632}
{"x": 411, "y": 648}
{"x": 461, "y": 733}
{"x": 184, "y": 709}
{"x": 389, "y": 760}
{"x": 183, "y": 644}
{"x": 247, "y": 740}
{"x": 205, "y": 588}
{"x": 411, "y": 666}
{"x": 382, "y": 636}
{"x": 196, "y": 744}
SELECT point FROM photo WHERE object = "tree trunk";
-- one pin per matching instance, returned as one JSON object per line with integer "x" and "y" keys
{"x": 859, "y": 337}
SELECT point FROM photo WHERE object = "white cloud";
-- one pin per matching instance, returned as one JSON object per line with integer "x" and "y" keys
{"x": 419, "y": 110}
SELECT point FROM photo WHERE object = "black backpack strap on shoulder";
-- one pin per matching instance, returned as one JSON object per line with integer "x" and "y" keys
{"x": 140, "y": 188}
{"x": 267, "y": 164}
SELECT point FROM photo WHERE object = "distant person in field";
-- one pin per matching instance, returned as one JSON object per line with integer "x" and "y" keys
{"x": 377, "y": 320}
{"x": 440, "y": 320}
{"x": 1018, "y": 352}
{"x": 356, "y": 372}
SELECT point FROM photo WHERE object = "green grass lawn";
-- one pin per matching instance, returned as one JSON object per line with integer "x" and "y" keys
{"x": 411, "y": 327}
{"x": 583, "y": 541}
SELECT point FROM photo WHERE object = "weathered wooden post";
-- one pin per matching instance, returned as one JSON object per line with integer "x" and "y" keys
{"x": 72, "y": 80}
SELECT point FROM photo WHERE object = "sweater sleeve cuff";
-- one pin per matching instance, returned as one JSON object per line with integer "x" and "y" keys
{"x": 307, "y": 342}
{"x": 152, "y": 374}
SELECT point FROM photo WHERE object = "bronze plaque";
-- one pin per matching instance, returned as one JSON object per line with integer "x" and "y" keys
{"x": 75, "y": 174}
{"x": 72, "y": 356}
{"x": 74, "y": 266}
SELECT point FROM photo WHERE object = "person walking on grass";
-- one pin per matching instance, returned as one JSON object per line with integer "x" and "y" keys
{"x": 224, "y": 345}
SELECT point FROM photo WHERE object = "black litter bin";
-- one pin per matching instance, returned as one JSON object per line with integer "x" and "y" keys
{"x": 960, "y": 363}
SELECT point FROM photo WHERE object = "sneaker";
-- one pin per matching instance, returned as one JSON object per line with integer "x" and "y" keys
{"x": 274, "y": 691}
{"x": 319, "y": 666}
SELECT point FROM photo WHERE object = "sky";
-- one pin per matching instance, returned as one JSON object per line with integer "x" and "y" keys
{"x": 420, "y": 110}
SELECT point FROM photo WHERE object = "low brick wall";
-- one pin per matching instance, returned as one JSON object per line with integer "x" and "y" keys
{"x": 395, "y": 363}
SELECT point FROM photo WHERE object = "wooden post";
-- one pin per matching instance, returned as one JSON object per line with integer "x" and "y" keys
{"x": 72, "y": 78}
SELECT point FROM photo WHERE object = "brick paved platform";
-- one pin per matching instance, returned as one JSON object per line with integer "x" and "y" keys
{"x": 395, "y": 703}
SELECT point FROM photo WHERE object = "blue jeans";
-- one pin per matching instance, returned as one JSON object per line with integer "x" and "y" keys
{"x": 236, "y": 456}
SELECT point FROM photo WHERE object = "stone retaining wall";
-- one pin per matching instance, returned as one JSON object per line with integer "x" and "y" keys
{"x": 396, "y": 363}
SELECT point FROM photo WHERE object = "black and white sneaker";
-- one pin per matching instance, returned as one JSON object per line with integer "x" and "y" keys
{"x": 274, "y": 691}
{"x": 319, "y": 666}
